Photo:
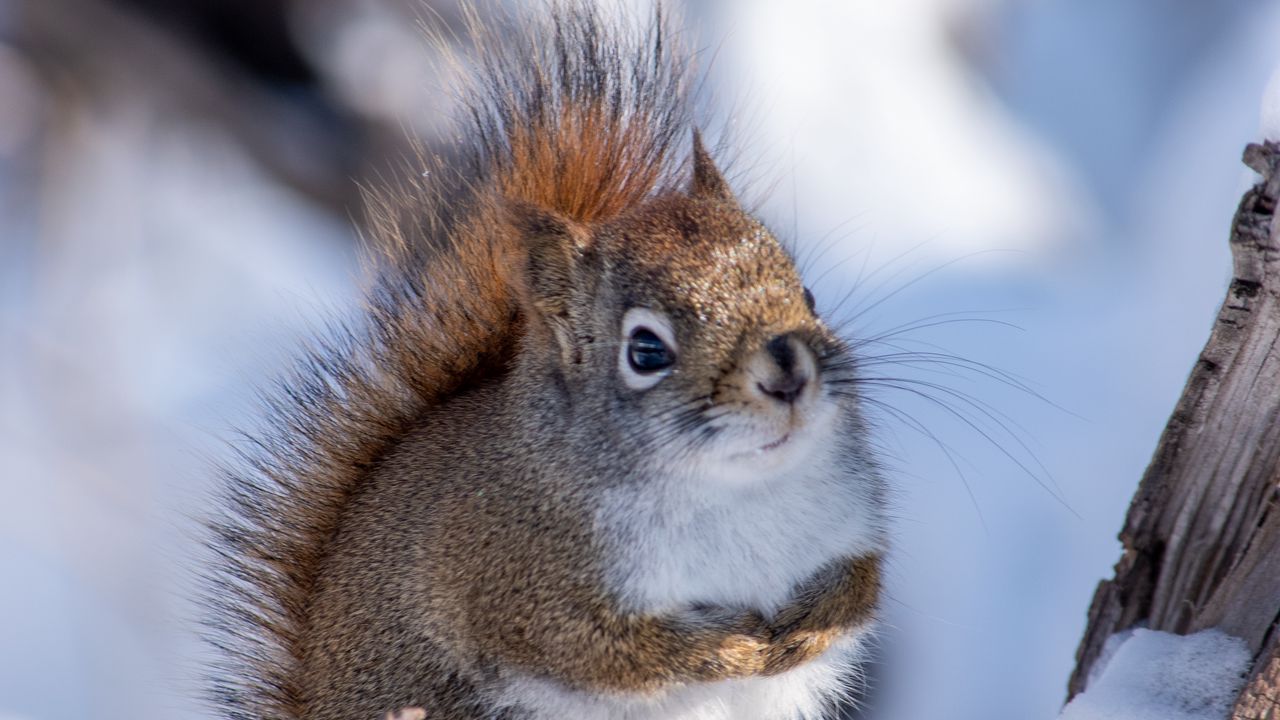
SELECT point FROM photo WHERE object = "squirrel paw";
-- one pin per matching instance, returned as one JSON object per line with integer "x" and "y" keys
{"x": 837, "y": 599}
{"x": 737, "y": 641}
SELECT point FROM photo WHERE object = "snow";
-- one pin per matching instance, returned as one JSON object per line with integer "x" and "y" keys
{"x": 875, "y": 147}
{"x": 1160, "y": 676}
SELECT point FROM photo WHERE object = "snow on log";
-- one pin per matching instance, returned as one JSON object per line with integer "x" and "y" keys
{"x": 1149, "y": 675}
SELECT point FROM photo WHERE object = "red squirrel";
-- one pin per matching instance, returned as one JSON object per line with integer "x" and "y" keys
{"x": 590, "y": 452}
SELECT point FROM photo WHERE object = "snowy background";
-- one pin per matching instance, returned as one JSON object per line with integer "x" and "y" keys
{"x": 177, "y": 194}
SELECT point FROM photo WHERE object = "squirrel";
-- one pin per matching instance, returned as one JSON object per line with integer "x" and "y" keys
{"x": 589, "y": 452}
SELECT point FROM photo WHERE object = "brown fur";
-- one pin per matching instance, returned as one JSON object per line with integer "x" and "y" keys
{"x": 405, "y": 536}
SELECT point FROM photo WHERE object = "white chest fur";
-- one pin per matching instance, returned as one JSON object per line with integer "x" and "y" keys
{"x": 689, "y": 541}
{"x": 746, "y": 546}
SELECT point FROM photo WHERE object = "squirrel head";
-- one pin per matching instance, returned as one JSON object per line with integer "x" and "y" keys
{"x": 682, "y": 331}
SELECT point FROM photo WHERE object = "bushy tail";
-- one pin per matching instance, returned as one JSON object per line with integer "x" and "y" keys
{"x": 577, "y": 115}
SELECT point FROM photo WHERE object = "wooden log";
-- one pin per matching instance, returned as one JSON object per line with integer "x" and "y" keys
{"x": 1201, "y": 542}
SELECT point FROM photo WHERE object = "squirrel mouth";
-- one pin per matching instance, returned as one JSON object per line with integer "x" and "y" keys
{"x": 775, "y": 444}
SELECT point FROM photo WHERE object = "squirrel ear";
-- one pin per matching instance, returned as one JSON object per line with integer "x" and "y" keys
{"x": 554, "y": 245}
{"x": 707, "y": 180}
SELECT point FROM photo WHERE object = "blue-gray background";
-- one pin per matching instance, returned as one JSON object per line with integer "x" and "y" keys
{"x": 178, "y": 207}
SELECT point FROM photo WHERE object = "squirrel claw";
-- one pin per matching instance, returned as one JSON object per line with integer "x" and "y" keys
{"x": 409, "y": 713}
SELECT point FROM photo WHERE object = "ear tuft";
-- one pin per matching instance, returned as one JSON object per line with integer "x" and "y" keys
{"x": 554, "y": 247}
{"x": 707, "y": 180}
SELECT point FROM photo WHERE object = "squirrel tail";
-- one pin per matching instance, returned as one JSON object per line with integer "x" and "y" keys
{"x": 579, "y": 116}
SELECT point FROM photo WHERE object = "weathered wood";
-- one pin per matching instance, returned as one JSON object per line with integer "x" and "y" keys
{"x": 1201, "y": 542}
{"x": 1260, "y": 699}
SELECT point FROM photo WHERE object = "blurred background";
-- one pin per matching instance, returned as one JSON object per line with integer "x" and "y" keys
{"x": 1041, "y": 188}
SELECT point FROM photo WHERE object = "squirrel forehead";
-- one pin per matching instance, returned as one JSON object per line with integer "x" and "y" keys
{"x": 716, "y": 263}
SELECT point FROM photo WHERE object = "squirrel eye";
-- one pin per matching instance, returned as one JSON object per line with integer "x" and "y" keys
{"x": 647, "y": 353}
{"x": 808, "y": 300}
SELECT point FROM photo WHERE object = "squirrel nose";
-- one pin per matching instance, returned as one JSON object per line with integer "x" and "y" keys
{"x": 780, "y": 350}
{"x": 785, "y": 389}
{"x": 789, "y": 379}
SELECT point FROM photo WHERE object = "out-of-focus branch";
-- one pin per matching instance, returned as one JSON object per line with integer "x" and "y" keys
{"x": 91, "y": 52}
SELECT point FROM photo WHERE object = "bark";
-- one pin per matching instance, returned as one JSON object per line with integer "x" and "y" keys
{"x": 1201, "y": 542}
